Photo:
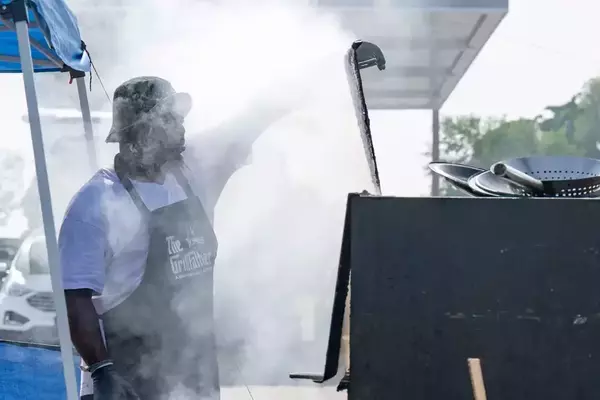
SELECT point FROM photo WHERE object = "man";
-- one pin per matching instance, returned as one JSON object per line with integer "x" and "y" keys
{"x": 137, "y": 250}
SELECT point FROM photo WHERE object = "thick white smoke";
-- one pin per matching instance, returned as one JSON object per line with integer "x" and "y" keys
{"x": 279, "y": 220}
{"x": 14, "y": 145}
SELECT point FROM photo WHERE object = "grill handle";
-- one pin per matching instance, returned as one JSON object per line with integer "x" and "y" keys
{"x": 507, "y": 172}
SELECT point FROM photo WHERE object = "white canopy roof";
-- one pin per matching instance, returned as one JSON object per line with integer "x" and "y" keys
{"x": 428, "y": 45}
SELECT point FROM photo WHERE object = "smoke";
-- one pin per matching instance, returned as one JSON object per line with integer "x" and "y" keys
{"x": 15, "y": 137}
{"x": 280, "y": 219}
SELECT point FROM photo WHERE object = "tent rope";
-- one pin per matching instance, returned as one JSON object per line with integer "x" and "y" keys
{"x": 84, "y": 48}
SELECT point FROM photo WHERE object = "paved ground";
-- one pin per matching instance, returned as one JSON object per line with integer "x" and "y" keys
{"x": 25, "y": 372}
{"x": 282, "y": 393}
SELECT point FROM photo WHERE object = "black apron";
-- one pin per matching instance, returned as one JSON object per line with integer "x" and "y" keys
{"x": 161, "y": 338}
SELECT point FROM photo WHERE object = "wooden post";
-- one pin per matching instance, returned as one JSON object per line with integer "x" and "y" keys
{"x": 345, "y": 344}
{"x": 477, "y": 379}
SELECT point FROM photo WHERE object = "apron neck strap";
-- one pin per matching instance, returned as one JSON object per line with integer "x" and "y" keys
{"x": 123, "y": 176}
{"x": 182, "y": 181}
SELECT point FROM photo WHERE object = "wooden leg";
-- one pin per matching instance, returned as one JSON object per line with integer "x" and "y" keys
{"x": 345, "y": 344}
{"x": 345, "y": 347}
{"x": 477, "y": 379}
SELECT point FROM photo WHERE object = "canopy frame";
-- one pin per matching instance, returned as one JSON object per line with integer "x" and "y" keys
{"x": 20, "y": 24}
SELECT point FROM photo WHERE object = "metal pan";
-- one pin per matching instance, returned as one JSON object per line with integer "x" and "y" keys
{"x": 496, "y": 186}
{"x": 458, "y": 175}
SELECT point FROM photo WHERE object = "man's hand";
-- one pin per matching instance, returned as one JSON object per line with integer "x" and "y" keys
{"x": 109, "y": 385}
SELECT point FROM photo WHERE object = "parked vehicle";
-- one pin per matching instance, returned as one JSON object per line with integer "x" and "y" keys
{"x": 8, "y": 250}
{"x": 27, "y": 311}
{"x": 67, "y": 159}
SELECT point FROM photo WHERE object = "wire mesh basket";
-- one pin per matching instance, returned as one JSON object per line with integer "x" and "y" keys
{"x": 541, "y": 176}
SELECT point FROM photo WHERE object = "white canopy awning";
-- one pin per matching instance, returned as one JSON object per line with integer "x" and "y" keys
{"x": 428, "y": 45}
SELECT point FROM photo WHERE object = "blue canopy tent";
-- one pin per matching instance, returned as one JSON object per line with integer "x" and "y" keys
{"x": 43, "y": 36}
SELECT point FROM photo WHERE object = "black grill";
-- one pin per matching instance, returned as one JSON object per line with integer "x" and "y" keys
{"x": 42, "y": 301}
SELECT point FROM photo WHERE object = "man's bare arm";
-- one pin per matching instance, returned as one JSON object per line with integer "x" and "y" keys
{"x": 84, "y": 325}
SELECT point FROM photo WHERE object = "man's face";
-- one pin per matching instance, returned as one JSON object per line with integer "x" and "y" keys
{"x": 169, "y": 129}
{"x": 164, "y": 138}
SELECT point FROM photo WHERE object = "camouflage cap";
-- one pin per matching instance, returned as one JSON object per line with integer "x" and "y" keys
{"x": 140, "y": 96}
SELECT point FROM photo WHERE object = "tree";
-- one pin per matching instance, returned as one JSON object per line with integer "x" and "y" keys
{"x": 564, "y": 116}
{"x": 587, "y": 123}
{"x": 579, "y": 120}
{"x": 459, "y": 142}
{"x": 460, "y": 135}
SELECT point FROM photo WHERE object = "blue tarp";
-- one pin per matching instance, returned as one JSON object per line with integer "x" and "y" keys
{"x": 54, "y": 27}
{"x": 31, "y": 373}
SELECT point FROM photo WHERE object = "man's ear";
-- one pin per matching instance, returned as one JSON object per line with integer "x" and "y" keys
{"x": 132, "y": 148}
{"x": 128, "y": 150}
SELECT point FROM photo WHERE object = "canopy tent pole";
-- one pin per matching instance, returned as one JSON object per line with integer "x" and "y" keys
{"x": 435, "y": 149}
{"x": 19, "y": 11}
{"x": 87, "y": 122}
{"x": 437, "y": 83}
